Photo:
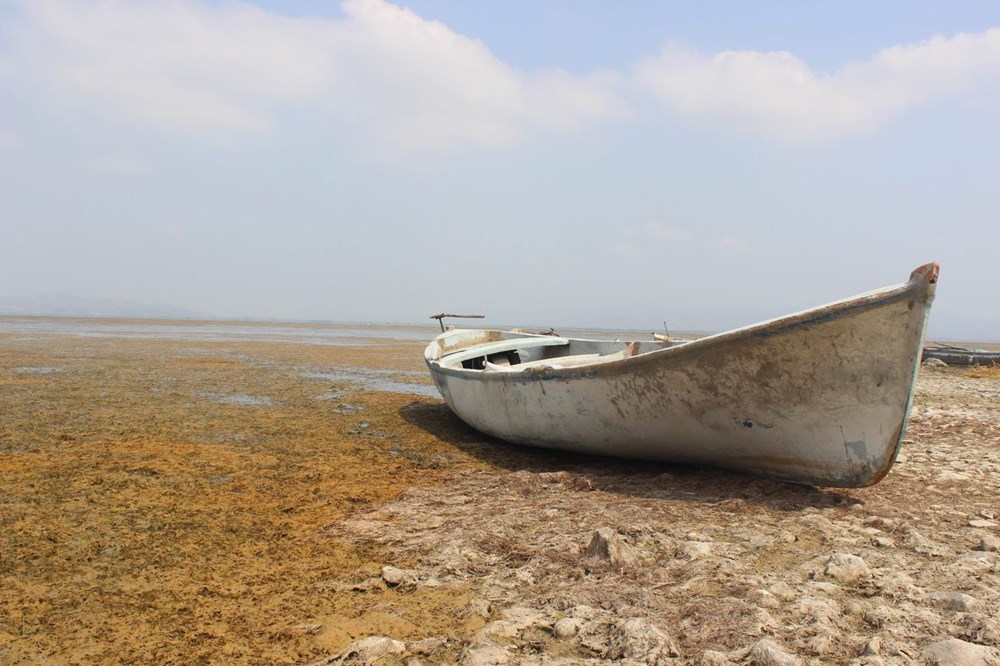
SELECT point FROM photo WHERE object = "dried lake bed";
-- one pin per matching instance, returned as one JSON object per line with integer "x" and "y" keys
{"x": 204, "y": 492}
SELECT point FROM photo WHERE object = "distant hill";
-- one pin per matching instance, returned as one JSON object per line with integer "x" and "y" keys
{"x": 69, "y": 305}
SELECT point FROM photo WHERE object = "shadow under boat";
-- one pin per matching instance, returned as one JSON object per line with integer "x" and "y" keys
{"x": 635, "y": 478}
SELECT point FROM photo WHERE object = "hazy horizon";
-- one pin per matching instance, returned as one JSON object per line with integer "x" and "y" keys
{"x": 985, "y": 332}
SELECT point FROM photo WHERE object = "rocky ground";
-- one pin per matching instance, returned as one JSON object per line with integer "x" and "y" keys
{"x": 580, "y": 561}
{"x": 178, "y": 502}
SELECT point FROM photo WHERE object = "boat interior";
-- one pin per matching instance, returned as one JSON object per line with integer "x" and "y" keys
{"x": 514, "y": 352}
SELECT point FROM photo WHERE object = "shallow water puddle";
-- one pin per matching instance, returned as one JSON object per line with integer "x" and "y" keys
{"x": 238, "y": 399}
{"x": 45, "y": 370}
{"x": 376, "y": 380}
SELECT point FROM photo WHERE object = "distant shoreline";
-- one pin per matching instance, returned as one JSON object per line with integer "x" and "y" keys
{"x": 431, "y": 329}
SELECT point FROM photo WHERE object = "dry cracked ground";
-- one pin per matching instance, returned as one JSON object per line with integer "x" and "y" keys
{"x": 171, "y": 502}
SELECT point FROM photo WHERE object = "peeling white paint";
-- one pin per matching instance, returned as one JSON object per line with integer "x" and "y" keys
{"x": 819, "y": 397}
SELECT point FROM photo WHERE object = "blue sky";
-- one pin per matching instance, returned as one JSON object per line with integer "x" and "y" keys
{"x": 556, "y": 163}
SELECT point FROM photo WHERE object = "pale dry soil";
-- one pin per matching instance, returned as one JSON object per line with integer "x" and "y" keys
{"x": 168, "y": 502}
{"x": 708, "y": 566}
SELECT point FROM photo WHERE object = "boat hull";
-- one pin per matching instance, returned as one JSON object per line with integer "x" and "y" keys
{"x": 820, "y": 397}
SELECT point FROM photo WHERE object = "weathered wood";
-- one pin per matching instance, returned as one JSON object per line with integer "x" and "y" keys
{"x": 440, "y": 318}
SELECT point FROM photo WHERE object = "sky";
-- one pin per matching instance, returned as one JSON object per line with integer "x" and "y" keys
{"x": 557, "y": 163}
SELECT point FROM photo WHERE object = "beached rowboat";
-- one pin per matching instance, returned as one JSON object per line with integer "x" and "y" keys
{"x": 819, "y": 397}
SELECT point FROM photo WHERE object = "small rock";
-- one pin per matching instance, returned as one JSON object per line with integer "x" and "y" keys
{"x": 583, "y": 611}
{"x": 983, "y": 524}
{"x": 934, "y": 363}
{"x": 921, "y": 544}
{"x": 822, "y": 643}
{"x": 567, "y": 627}
{"x": 485, "y": 654}
{"x": 764, "y": 599}
{"x": 986, "y": 513}
{"x": 846, "y": 568}
{"x": 956, "y": 652}
{"x": 693, "y": 550}
{"x": 759, "y": 622}
{"x": 955, "y": 601}
{"x": 855, "y": 607}
{"x": 367, "y": 651}
{"x": 786, "y": 536}
{"x": 894, "y": 583}
{"x": 713, "y": 658}
{"x": 402, "y": 578}
{"x": 881, "y": 522}
{"x": 698, "y": 536}
{"x": 513, "y": 621}
{"x": 766, "y": 653}
{"x": 524, "y": 618}
{"x": 478, "y": 607}
{"x": 425, "y": 646}
{"x": 607, "y": 545}
{"x": 878, "y": 617}
{"x": 884, "y": 542}
{"x": 977, "y": 628}
{"x": 500, "y": 629}
{"x": 783, "y": 591}
{"x": 988, "y": 543}
{"x": 637, "y": 639}
{"x": 873, "y": 648}
{"x": 819, "y": 611}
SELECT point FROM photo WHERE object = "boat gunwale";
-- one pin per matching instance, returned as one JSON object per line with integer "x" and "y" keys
{"x": 917, "y": 284}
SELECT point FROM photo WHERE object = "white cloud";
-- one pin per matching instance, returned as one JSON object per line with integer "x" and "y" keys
{"x": 777, "y": 94}
{"x": 175, "y": 64}
{"x": 558, "y": 99}
{"x": 422, "y": 83}
{"x": 195, "y": 66}
{"x": 231, "y": 67}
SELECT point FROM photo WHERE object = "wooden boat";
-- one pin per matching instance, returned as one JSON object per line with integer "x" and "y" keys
{"x": 819, "y": 397}
{"x": 962, "y": 356}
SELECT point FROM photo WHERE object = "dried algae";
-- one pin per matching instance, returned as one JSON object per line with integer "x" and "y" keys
{"x": 147, "y": 518}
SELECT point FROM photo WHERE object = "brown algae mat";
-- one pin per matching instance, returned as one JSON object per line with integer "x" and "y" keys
{"x": 175, "y": 502}
{"x": 192, "y": 502}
